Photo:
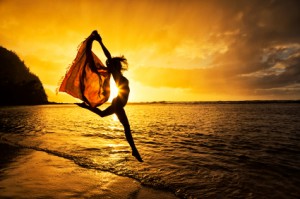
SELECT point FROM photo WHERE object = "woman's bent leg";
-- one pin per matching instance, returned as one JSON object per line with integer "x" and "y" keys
{"x": 108, "y": 111}
{"x": 120, "y": 112}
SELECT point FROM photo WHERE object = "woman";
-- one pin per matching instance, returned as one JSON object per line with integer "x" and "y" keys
{"x": 115, "y": 66}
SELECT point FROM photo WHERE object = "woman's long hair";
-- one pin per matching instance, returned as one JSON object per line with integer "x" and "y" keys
{"x": 119, "y": 63}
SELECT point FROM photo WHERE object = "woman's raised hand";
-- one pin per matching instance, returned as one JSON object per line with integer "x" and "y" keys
{"x": 96, "y": 35}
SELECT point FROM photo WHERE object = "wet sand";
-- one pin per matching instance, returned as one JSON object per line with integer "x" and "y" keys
{"x": 25, "y": 173}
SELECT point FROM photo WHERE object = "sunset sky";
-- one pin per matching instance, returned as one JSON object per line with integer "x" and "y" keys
{"x": 177, "y": 50}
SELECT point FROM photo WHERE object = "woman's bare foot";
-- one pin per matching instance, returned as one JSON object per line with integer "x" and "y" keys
{"x": 136, "y": 154}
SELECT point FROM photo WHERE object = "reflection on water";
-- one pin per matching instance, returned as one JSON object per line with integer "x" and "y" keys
{"x": 196, "y": 150}
{"x": 34, "y": 174}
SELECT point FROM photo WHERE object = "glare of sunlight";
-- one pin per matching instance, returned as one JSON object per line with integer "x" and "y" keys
{"x": 113, "y": 89}
{"x": 112, "y": 145}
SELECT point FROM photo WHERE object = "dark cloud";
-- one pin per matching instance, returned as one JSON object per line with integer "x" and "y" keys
{"x": 269, "y": 36}
{"x": 263, "y": 56}
{"x": 288, "y": 74}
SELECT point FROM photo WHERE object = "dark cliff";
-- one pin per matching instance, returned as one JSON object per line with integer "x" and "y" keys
{"x": 18, "y": 86}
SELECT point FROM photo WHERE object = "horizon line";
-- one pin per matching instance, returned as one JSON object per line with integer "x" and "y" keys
{"x": 199, "y": 102}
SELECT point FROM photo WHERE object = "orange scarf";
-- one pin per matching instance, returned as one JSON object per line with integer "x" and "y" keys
{"x": 87, "y": 79}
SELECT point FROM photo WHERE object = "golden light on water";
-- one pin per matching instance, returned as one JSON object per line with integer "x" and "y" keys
{"x": 115, "y": 118}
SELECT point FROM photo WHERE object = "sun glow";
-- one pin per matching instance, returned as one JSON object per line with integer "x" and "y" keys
{"x": 113, "y": 89}
{"x": 193, "y": 57}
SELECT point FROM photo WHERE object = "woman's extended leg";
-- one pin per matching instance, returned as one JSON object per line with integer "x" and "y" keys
{"x": 108, "y": 111}
{"x": 120, "y": 112}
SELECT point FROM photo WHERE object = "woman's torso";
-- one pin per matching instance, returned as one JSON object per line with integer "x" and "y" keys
{"x": 123, "y": 89}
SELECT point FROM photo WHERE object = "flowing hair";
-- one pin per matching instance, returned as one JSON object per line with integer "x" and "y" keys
{"x": 119, "y": 63}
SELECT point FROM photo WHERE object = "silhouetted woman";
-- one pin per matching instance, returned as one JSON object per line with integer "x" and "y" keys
{"x": 115, "y": 66}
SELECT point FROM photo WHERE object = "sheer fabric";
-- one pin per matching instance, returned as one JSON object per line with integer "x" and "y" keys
{"x": 87, "y": 78}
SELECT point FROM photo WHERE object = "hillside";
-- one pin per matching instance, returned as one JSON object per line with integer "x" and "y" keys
{"x": 17, "y": 84}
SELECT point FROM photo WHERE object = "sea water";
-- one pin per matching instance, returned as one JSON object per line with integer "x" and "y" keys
{"x": 195, "y": 150}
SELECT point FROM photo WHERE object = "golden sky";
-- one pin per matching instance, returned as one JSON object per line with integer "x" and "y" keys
{"x": 177, "y": 49}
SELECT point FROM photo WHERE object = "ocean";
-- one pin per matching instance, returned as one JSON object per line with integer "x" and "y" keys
{"x": 194, "y": 150}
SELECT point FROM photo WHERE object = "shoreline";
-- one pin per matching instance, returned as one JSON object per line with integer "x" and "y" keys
{"x": 26, "y": 173}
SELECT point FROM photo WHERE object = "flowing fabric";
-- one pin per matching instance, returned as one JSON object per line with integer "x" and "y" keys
{"x": 87, "y": 78}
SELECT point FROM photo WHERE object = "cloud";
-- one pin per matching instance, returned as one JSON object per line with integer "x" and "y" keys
{"x": 197, "y": 80}
{"x": 238, "y": 48}
{"x": 260, "y": 56}
{"x": 268, "y": 43}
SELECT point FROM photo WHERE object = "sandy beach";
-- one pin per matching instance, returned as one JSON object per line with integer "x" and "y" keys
{"x": 25, "y": 173}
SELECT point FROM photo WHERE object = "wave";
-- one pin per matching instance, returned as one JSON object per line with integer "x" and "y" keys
{"x": 87, "y": 163}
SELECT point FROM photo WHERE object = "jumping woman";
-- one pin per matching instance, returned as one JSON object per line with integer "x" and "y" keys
{"x": 115, "y": 66}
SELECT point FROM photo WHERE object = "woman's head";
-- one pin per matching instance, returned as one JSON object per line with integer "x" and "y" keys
{"x": 118, "y": 63}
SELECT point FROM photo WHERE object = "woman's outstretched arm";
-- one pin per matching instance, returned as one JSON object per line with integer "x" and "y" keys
{"x": 90, "y": 40}
{"x": 99, "y": 39}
